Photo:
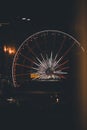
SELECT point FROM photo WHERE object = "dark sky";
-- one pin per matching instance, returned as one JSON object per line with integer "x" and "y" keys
{"x": 44, "y": 14}
{"x": 57, "y": 15}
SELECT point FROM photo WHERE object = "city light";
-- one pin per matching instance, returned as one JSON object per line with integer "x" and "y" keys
{"x": 9, "y": 50}
{"x": 5, "y": 49}
{"x": 26, "y": 19}
{"x": 11, "y": 100}
{"x": 57, "y": 100}
{"x": 23, "y": 18}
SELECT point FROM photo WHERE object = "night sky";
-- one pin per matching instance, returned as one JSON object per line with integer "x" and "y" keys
{"x": 43, "y": 14}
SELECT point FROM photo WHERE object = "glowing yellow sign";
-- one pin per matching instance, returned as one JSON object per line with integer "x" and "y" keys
{"x": 33, "y": 76}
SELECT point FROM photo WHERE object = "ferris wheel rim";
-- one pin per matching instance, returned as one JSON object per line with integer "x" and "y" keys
{"x": 37, "y": 33}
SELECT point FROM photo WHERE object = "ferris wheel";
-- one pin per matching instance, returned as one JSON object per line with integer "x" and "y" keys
{"x": 47, "y": 56}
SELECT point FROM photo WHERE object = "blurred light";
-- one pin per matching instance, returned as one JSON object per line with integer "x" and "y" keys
{"x": 5, "y": 49}
{"x": 51, "y": 96}
{"x": 33, "y": 76}
{"x": 9, "y": 50}
{"x": 4, "y": 24}
{"x": 23, "y": 18}
{"x": 11, "y": 100}
{"x": 57, "y": 100}
{"x": 28, "y": 19}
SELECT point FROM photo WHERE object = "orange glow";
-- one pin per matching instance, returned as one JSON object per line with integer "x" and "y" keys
{"x": 5, "y": 49}
{"x": 9, "y": 50}
{"x": 32, "y": 76}
{"x": 81, "y": 29}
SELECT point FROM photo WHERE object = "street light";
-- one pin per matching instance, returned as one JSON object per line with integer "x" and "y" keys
{"x": 9, "y": 50}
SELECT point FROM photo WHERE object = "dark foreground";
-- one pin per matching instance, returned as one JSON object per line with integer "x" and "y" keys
{"x": 36, "y": 110}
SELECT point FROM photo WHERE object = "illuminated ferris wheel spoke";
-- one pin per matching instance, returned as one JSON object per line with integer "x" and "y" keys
{"x": 56, "y": 57}
{"x": 61, "y": 46}
{"x": 60, "y": 76}
{"x": 60, "y": 72}
{"x": 22, "y": 74}
{"x": 45, "y": 43}
{"x": 51, "y": 57}
{"x": 30, "y": 50}
{"x": 41, "y": 62}
{"x": 62, "y": 64}
{"x": 47, "y": 57}
{"x": 44, "y": 61}
{"x": 36, "y": 64}
{"x": 38, "y": 46}
{"x": 35, "y": 68}
{"x": 56, "y": 62}
{"x": 27, "y": 58}
{"x": 23, "y": 65}
{"x": 67, "y": 51}
{"x": 42, "y": 57}
{"x": 63, "y": 68}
